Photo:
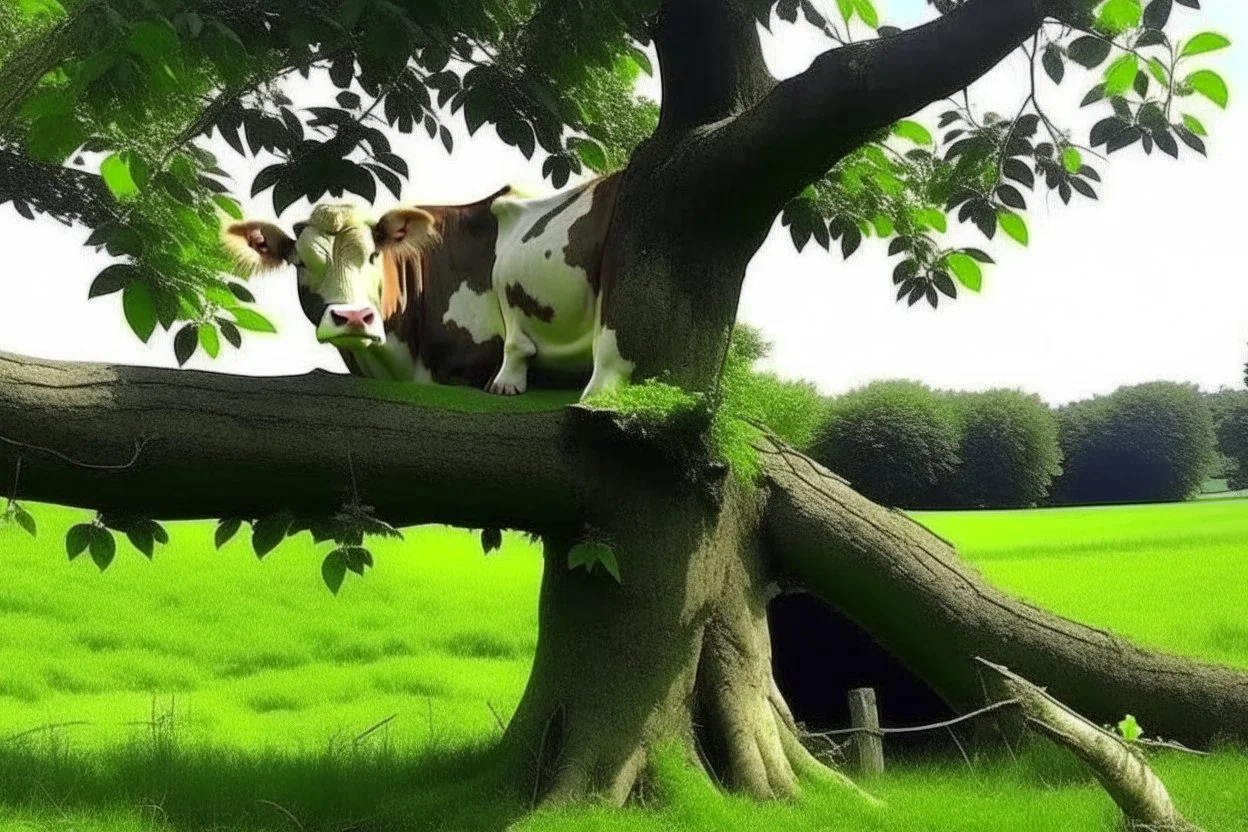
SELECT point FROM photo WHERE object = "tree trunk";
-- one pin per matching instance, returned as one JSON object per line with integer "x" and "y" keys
{"x": 675, "y": 655}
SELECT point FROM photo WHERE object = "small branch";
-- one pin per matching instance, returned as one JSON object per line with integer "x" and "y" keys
{"x": 138, "y": 451}
{"x": 935, "y": 726}
{"x": 1121, "y": 769}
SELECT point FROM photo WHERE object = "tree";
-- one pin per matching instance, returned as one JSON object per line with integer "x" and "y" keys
{"x": 897, "y": 442}
{"x": 677, "y": 650}
{"x": 1147, "y": 443}
{"x": 1010, "y": 451}
{"x": 1231, "y": 423}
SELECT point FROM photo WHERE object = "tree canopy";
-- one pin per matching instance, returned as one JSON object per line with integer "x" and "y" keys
{"x": 126, "y": 91}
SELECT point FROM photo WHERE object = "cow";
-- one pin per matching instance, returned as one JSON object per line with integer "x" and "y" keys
{"x": 470, "y": 294}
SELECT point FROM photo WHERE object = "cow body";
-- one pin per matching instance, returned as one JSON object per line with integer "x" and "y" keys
{"x": 473, "y": 294}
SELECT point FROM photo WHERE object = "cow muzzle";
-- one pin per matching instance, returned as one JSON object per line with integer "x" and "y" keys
{"x": 350, "y": 326}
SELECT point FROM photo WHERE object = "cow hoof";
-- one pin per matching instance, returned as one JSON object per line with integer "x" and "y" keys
{"x": 499, "y": 388}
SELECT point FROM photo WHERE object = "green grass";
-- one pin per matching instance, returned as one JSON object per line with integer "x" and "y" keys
{"x": 1171, "y": 576}
{"x": 260, "y": 682}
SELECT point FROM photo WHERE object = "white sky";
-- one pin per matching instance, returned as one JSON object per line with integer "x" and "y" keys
{"x": 1149, "y": 283}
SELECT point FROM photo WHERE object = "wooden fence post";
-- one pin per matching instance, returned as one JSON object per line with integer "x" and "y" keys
{"x": 868, "y": 743}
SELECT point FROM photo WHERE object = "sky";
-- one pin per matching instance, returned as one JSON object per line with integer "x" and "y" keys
{"x": 1148, "y": 283}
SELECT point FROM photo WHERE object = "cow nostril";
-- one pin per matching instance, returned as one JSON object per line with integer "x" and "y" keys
{"x": 339, "y": 320}
{"x": 367, "y": 317}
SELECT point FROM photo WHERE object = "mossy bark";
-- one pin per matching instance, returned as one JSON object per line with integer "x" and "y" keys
{"x": 676, "y": 653}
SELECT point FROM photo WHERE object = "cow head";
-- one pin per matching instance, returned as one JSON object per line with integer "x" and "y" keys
{"x": 347, "y": 265}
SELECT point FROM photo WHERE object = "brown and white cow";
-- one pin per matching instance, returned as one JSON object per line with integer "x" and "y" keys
{"x": 468, "y": 294}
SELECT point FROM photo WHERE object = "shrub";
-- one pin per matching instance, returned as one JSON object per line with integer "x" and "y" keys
{"x": 896, "y": 442}
{"x": 1148, "y": 443}
{"x": 792, "y": 410}
{"x": 1010, "y": 451}
{"x": 1232, "y": 433}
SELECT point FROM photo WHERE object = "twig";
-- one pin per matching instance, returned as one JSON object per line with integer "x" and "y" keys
{"x": 498, "y": 718}
{"x": 541, "y": 753}
{"x": 139, "y": 444}
{"x": 917, "y": 728}
{"x": 284, "y": 811}
{"x": 376, "y": 727}
{"x": 1173, "y": 746}
{"x": 53, "y": 727}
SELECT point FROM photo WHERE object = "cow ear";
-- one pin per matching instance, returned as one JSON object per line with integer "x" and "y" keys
{"x": 405, "y": 230}
{"x": 258, "y": 246}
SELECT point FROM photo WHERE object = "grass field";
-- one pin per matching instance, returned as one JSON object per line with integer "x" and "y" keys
{"x": 260, "y": 681}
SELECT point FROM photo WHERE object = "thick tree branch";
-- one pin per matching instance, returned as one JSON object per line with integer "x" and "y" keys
{"x": 711, "y": 63}
{"x": 909, "y": 589}
{"x": 218, "y": 446}
{"x": 809, "y": 122}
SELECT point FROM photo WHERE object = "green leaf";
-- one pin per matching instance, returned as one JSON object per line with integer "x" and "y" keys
{"x": 1121, "y": 74}
{"x": 1211, "y": 85}
{"x": 30, "y": 9}
{"x": 1159, "y": 71}
{"x": 209, "y": 340}
{"x": 184, "y": 343}
{"x": 1195, "y": 125}
{"x": 589, "y": 554}
{"x": 1072, "y": 160}
{"x": 77, "y": 539}
{"x": 642, "y": 60}
{"x": 932, "y": 218}
{"x": 53, "y": 137}
{"x": 252, "y": 320}
{"x": 140, "y": 309}
{"x": 269, "y": 531}
{"x": 966, "y": 270}
{"x": 1119, "y": 15}
{"x": 141, "y": 537}
{"x": 102, "y": 546}
{"x": 226, "y": 529}
{"x": 334, "y": 570}
{"x": 1205, "y": 42}
{"x": 866, "y": 10}
{"x": 24, "y": 519}
{"x": 1013, "y": 225}
{"x": 1129, "y": 729}
{"x": 117, "y": 176}
{"x": 592, "y": 154}
{"x": 229, "y": 206}
{"x": 112, "y": 279}
{"x": 913, "y": 131}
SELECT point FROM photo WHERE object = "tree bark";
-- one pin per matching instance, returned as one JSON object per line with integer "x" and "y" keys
{"x": 908, "y": 588}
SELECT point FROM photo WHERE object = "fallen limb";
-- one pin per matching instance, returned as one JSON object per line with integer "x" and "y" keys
{"x": 1119, "y": 767}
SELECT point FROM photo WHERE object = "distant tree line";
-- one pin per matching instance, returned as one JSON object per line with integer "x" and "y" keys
{"x": 903, "y": 444}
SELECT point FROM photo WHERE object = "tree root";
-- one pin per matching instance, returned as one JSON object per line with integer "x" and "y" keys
{"x": 1121, "y": 769}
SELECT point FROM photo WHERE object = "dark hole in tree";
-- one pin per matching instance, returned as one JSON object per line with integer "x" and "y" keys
{"x": 819, "y": 655}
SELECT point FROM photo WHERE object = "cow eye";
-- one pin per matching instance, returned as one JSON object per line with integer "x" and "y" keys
{"x": 372, "y": 258}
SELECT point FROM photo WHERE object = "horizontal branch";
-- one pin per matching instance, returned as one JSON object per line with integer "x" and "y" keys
{"x": 212, "y": 445}
{"x": 909, "y": 589}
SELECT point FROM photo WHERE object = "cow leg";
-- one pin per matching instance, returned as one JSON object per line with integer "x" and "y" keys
{"x": 513, "y": 376}
{"x": 610, "y": 368}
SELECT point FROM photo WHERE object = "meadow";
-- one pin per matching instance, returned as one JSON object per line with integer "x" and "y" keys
{"x": 211, "y": 691}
